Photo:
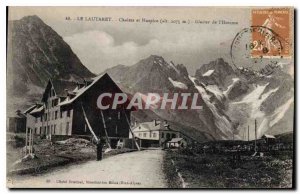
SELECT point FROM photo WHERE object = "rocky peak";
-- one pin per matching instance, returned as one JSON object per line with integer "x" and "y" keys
{"x": 215, "y": 72}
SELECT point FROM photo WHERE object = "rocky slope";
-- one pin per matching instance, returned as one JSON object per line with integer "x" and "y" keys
{"x": 232, "y": 98}
{"x": 35, "y": 54}
{"x": 247, "y": 96}
{"x": 154, "y": 74}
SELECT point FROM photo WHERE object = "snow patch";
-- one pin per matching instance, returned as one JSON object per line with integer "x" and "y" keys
{"x": 178, "y": 84}
{"x": 221, "y": 121}
{"x": 173, "y": 66}
{"x": 234, "y": 80}
{"x": 256, "y": 98}
{"x": 280, "y": 112}
{"x": 262, "y": 127}
{"x": 216, "y": 91}
{"x": 208, "y": 73}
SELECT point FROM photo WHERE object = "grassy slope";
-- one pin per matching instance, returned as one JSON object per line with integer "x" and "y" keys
{"x": 218, "y": 171}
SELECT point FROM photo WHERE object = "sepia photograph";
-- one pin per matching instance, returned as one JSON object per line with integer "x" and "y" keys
{"x": 150, "y": 97}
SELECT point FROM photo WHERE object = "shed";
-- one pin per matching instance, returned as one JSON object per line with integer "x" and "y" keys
{"x": 269, "y": 138}
{"x": 177, "y": 142}
{"x": 17, "y": 123}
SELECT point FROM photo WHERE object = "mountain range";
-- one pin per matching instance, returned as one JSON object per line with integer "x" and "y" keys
{"x": 232, "y": 98}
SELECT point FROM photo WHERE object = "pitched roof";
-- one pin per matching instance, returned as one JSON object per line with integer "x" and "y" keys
{"x": 37, "y": 110}
{"x": 150, "y": 126}
{"x": 175, "y": 140}
{"x": 80, "y": 91}
{"x": 60, "y": 86}
{"x": 268, "y": 136}
{"x": 19, "y": 114}
{"x": 30, "y": 109}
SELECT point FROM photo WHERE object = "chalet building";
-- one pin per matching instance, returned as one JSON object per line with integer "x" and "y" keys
{"x": 269, "y": 138}
{"x": 154, "y": 133}
{"x": 17, "y": 123}
{"x": 176, "y": 143}
{"x": 60, "y": 111}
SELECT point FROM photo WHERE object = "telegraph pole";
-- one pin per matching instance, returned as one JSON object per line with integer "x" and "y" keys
{"x": 248, "y": 134}
{"x": 255, "y": 135}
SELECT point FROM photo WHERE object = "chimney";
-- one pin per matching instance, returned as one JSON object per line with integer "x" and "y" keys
{"x": 78, "y": 85}
{"x": 67, "y": 92}
{"x": 85, "y": 83}
{"x": 155, "y": 122}
{"x": 166, "y": 125}
{"x": 162, "y": 125}
{"x": 18, "y": 112}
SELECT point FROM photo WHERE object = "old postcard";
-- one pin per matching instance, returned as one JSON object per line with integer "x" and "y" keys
{"x": 150, "y": 97}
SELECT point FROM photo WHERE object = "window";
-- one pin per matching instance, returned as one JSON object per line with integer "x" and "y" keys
{"x": 52, "y": 93}
{"x": 55, "y": 102}
{"x": 68, "y": 113}
{"x": 35, "y": 130}
{"x": 45, "y": 117}
{"x": 51, "y": 129}
{"x": 145, "y": 134}
{"x": 173, "y": 135}
{"x": 54, "y": 128}
{"x": 61, "y": 114}
{"x": 40, "y": 130}
{"x": 154, "y": 135}
{"x": 140, "y": 135}
{"x": 162, "y": 135}
{"x": 60, "y": 129}
{"x": 36, "y": 119}
{"x": 41, "y": 118}
{"x": 67, "y": 128}
{"x": 55, "y": 114}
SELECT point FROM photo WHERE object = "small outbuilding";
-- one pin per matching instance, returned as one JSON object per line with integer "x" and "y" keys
{"x": 269, "y": 139}
{"x": 176, "y": 143}
{"x": 17, "y": 123}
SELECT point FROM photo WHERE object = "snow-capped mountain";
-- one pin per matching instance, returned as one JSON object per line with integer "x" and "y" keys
{"x": 154, "y": 74}
{"x": 248, "y": 95}
{"x": 231, "y": 98}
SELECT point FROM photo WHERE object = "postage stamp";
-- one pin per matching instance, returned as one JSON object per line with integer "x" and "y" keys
{"x": 272, "y": 22}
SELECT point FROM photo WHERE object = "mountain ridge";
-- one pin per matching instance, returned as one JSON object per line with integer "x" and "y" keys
{"x": 35, "y": 54}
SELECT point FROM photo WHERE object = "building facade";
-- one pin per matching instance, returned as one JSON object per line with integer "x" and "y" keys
{"x": 154, "y": 133}
{"x": 60, "y": 111}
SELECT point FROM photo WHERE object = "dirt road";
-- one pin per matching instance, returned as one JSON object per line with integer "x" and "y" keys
{"x": 135, "y": 169}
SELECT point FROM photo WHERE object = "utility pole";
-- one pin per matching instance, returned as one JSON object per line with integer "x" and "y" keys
{"x": 255, "y": 136}
{"x": 248, "y": 134}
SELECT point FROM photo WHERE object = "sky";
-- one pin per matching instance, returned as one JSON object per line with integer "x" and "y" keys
{"x": 101, "y": 44}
